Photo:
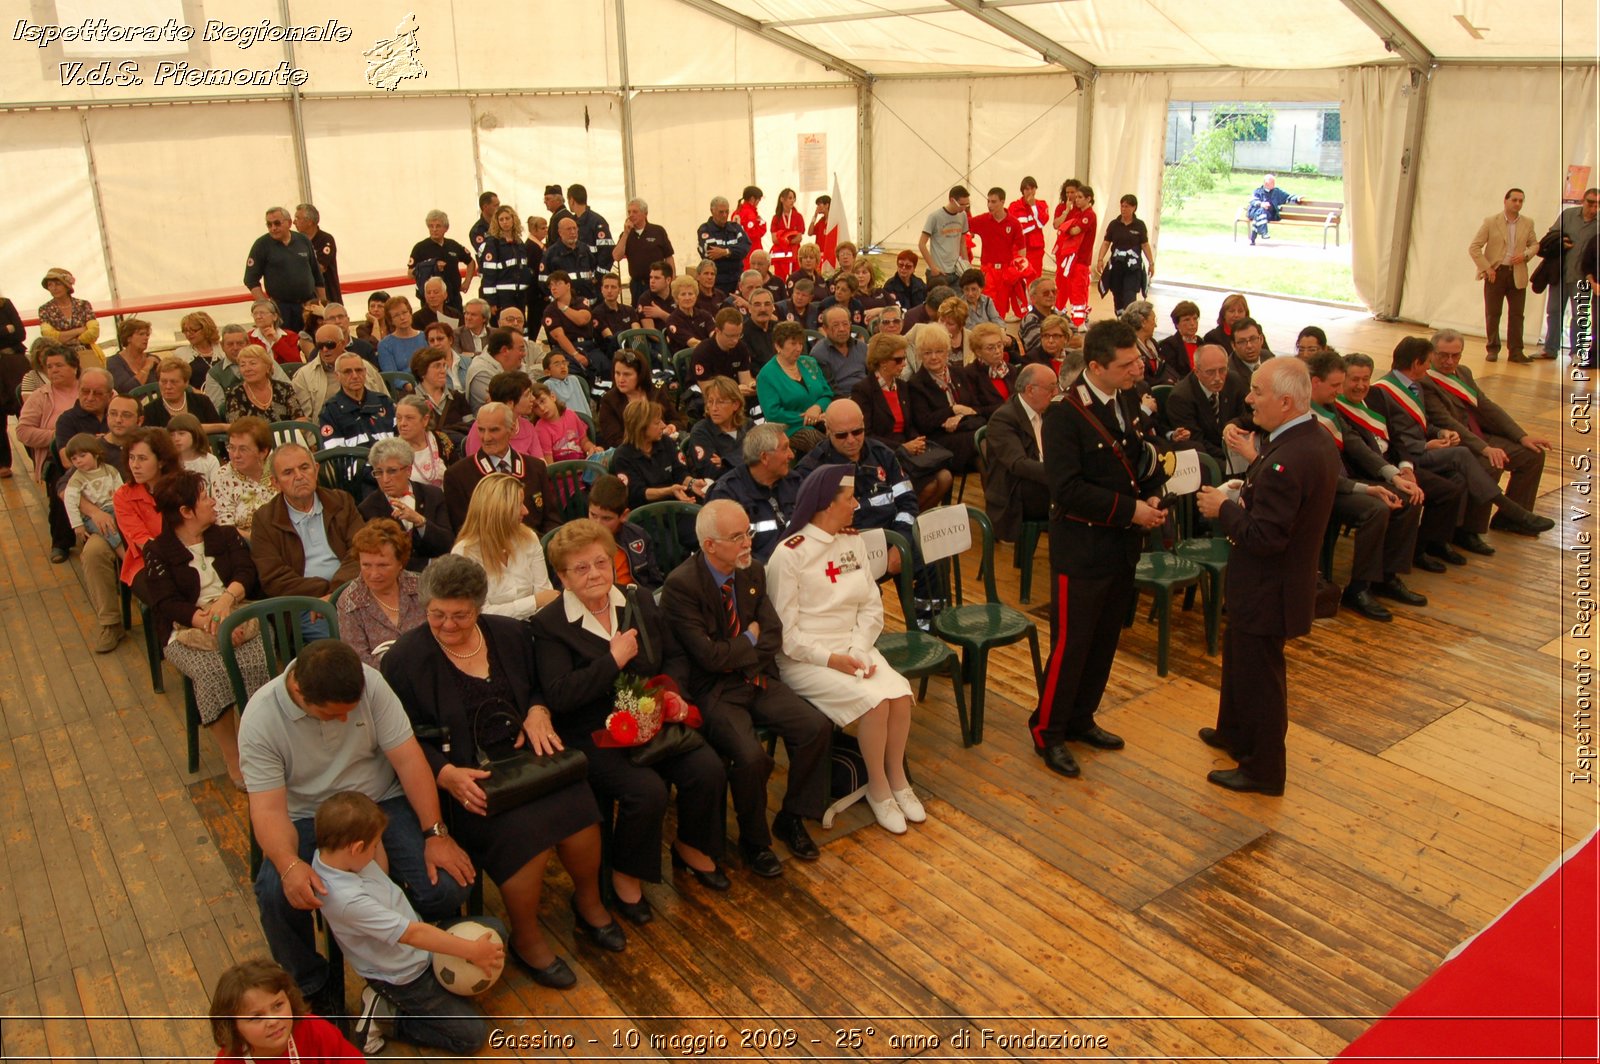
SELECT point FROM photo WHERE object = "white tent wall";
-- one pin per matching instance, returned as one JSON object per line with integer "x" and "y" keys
{"x": 49, "y": 194}
{"x": 779, "y": 118}
{"x": 687, "y": 148}
{"x": 1127, "y": 138}
{"x": 1372, "y": 108}
{"x": 671, "y": 43}
{"x": 179, "y": 217}
{"x": 1489, "y": 129}
{"x": 578, "y": 138}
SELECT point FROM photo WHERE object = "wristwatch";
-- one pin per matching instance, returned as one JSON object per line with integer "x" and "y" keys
{"x": 438, "y": 831}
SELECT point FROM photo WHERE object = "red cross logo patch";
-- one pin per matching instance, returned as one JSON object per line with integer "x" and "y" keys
{"x": 833, "y": 572}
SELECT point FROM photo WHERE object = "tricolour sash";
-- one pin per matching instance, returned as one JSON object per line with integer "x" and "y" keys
{"x": 1330, "y": 421}
{"x": 1455, "y": 386}
{"x": 1401, "y": 394}
{"x": 1366, "y": 417}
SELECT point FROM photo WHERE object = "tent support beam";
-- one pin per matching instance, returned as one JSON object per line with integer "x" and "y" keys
{"x": 782, "y": 40}
{"x": 99, "y": 205}
{"x": 1026, "y": 35}
{"x": 1080, "y": 156}
{"x": 864, "y": 161}
{"x": 302, "y": 161}
{"x": 1395, "y": 37}
{"x": 629, "y": 183}
{"x": 1405, "y": 195}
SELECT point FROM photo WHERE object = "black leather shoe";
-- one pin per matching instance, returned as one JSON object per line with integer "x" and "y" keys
{"x": 791, "y": 831}
{"x": 1394, "y": 588}
{"x": 1098, "y": 738}
{"x": 1472, "y": 543}
{"x": 556, "y": 975}
{"x": 1363, "y": 603}
{"x": 761, "y": 860}
{"x": 1524, "y": 524}
{"x": 1443, "y": 550}
{"x": 715, "y": 879}
{"x": 637, "y": 911}
{"x": 1491, "y": 356}
{"x": 1519, "y": 358}
{"x": 1059, "y": 760}
{"x": 608, "y": 937}
{"x": 1234, "y": 780}
{"x": 1213, "y": 738}
{"x": 1427, "y": 564}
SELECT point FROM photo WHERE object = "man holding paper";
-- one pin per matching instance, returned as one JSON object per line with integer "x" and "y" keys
{"x": 1104, "y": 464}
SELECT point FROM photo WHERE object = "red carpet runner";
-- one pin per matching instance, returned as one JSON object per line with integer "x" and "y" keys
{"x": 1523, "y": 989}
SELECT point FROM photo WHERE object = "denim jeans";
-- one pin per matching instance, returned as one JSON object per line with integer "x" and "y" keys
{"x": 426, "y": 1014}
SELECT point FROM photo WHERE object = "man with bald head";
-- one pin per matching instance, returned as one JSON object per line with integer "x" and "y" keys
{"x": 841, "y": 354}
{"x": 316, "y": 382}
{"x": 300, "y": 539}
{"x": 1204, "y": 401}
{"x": 884, "y": 495}
{"x": 567, "y": 254}
{"x": 1275, "y": 527}
{"x": 729, "y": 630}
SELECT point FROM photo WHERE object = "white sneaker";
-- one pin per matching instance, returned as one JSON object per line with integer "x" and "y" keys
{"x": 910, "y": 805}
{"x": 373, "y": 1007}
{"x": 888, "y": 815}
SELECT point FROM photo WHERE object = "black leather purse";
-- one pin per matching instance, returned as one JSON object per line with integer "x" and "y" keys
{"x": 674, "y": 738}
{"x": 517, "y": 775}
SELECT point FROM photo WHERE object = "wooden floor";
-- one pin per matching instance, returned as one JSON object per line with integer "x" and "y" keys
{"x": 1138, "y": 904}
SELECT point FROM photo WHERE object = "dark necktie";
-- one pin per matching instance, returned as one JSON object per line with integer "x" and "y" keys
{"x": 730, "y": 608}
{"x": 1216, "y": 407}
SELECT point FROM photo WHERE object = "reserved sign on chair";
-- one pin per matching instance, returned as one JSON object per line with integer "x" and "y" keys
{"x": 943, "y": 531}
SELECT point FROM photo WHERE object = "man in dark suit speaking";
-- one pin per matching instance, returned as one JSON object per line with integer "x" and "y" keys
{"x": 1276, "y": 528}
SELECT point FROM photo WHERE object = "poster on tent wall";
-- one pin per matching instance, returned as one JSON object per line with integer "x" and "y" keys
{"x": 813, "y": 162}
{"x": 1577, "y": 181}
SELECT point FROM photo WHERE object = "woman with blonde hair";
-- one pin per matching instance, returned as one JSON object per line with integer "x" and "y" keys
{"x": 953, "y": 315}
{"x": 716, "y": 442}
{"x": 494, "y": 536}
{"x": 259, "y": 393}
{"x": 203, "y": 350}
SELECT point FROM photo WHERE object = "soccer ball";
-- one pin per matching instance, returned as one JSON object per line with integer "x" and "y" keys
{"x": 461, "y": 976}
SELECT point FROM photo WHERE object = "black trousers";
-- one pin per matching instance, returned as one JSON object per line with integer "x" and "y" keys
{"x": 641, "y": 797}
{"x": 1444, "y": 503}
{"x": 1525, "y": 467}
{"x": 1253, "y": 706}
{"x": 1385, "y": 539}
{"x": 731, "y": 713}
{"x": 1086, "y": 616}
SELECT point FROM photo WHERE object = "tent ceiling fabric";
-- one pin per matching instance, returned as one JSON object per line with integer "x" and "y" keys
{"x": 914, "y": 36}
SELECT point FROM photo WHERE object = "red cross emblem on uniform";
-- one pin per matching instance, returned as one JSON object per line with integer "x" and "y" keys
{"x": 833, "y": 572}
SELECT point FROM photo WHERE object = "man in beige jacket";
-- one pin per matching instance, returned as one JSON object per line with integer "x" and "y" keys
{"x": 1500, "y": 250}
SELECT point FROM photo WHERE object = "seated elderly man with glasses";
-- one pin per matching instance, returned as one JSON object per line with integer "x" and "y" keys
{"x": 419, "y": 508}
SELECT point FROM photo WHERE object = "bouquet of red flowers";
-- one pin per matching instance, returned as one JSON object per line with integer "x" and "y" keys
{"x": 642, "y": 707}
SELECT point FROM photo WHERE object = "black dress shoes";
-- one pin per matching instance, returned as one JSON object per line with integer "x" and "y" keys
{"x": 1427, "y": 564}
{"x": 1363, "y": 603}
{"x": 637, "y": 911}
{"x": 556, "y": 975}
{"x": 761, "y": 860}
{"x": 791, "y": 831}
{"x": 1445, "y": 551}
{"x": 1472, "y": 543}
{"x": 1523, "y": 524}
{"x": 1394, "y": 588}
{"x": 1098, "y": 738}
{"x": 1058, "y": 760}
{"x": 607, "y": 937}
{"x": 1213, "y": 738}
{"x": 716, "y": 879}
{"x": 1234, "y": 780}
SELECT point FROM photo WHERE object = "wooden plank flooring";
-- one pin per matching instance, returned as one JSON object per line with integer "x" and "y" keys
{"x": 1138, "y": 903}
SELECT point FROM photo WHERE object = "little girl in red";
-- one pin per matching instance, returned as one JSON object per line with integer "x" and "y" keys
{"x": 258, "y": 1015}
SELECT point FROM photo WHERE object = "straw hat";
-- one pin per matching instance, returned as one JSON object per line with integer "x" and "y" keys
{"x": 56, "y": 273}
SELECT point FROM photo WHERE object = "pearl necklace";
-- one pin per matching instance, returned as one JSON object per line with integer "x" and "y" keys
{"x": 462, "y": 657}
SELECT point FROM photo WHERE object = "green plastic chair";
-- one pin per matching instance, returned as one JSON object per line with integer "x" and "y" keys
{"x": 219, "y": 445}
{"x": 1161, "y": 573}
{"x": 399, "y": 383}
{"x": 1161, "y": 393}
{"x": 979, "y": 627}
{"x": 914, "y": 653}
{"x": 652, "y": 343}
{"x": 144, "y": 390}
{"x": 344, "y": 468}
{"x": 1210, "y": 552}
{"x": 566, "y": 478}
{"x": 280, "y": 634}
{"x": 812, "y": 336}
{"x": 682, "y": 369}
{"x": 661, "y": 521}
{"x": 301, "y": 432}
{"x": 1027, "y": 544}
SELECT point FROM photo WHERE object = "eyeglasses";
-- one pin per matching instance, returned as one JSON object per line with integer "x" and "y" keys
{"x": 327, "y": 345}
{"x": 849, "y": 433}
{"x": 738, "y": 537}
{"x": 587, "y": 568}
{"x": 896, "y": 360}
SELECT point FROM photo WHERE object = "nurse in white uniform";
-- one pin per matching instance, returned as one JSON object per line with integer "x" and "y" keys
{"x": 832, "y": 613}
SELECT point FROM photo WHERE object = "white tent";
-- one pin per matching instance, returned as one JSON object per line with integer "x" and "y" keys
{"x": 159, "y": 187}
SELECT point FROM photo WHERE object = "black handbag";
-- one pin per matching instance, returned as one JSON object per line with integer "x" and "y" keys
{"x": 517, "y": 775}
{"x": 933, "y": 458}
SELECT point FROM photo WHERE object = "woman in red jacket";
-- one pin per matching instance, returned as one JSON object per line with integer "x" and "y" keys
{"x": 788, "y": 230}
{"x": 146, "y": 458}
{"x": 750, "y": 219}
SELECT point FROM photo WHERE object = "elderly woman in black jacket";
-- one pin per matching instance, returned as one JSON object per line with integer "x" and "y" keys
{"x": 473, "y": 674}
{"x": 583, "y": 641}
{"x": 944, "y": 407}
{"x": 191, "y": 590}
{"x": 885, "y": 404}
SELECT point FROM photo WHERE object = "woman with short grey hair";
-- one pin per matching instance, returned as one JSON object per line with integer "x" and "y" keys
{"x": 1140, "y": 316}
{"x": 418, "y": 506}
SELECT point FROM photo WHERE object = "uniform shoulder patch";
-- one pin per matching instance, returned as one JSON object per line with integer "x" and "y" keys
{"x": 327, "y": 430}
{"x": 795, "y": 540}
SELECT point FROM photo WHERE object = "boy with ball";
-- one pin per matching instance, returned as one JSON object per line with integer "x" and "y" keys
{"x": 389, "y": 946}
